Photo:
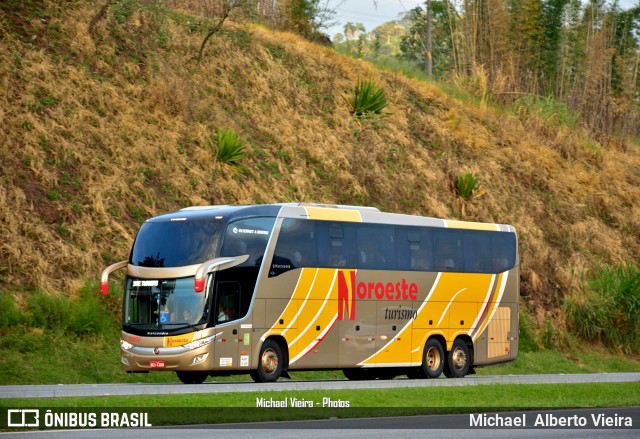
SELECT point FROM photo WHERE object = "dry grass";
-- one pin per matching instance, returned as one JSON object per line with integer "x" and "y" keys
{"x": 95, "y": 139}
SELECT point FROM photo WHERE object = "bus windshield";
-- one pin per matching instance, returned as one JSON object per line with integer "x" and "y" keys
{"x": 175, "y": 243}
{"x": 152, "y": 304}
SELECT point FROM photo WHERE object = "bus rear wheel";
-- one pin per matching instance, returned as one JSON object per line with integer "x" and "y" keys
{"x": 458, "y": 360}
{"x": 270, "y": 363}
{"x": 433, "y": 358}
{"x": 192, "y": 377}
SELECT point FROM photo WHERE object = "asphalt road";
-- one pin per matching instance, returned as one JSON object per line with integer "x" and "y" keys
{"x": 60, "y": 390}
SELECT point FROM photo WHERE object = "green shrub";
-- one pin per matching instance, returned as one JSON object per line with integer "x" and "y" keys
{"x": 527, "y": 338}
{"x": 466, "y": 184}
{"x": 9, "y": 316}
{"x": 549, "y": 109}
{"x": 48, "y": 311}
{"x": 367, "y": 101}
{"x": 609, "y": 311}
{"x": 228, "y": 147}
{"x": 85, "y": 315}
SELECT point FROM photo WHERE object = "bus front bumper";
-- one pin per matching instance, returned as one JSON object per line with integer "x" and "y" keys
{"x": 139, "y": 359}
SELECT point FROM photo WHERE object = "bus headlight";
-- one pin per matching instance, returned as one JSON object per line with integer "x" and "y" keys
{"x": 125, "y": 345}
{"x": 199, "y": 343}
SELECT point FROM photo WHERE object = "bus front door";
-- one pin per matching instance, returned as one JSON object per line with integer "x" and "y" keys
{"x": 233, "y": 344}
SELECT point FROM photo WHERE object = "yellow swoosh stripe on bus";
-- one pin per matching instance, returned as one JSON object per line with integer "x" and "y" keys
{"x": 501, "y": 282}
{"x": 288, "y": 316}
{"x": 311, "y": 302}
{"x": 439, "y": 308}
{"x": 484, "y": 307}
{"x": 317, "y": 289}
{"x": 320, "y": 312}
{"x": 316, "y": 340}
{"x": 302, "y": 294}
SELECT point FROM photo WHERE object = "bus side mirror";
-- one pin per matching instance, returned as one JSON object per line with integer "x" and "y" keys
{"x": 104, "y": 279}
{"x": 212, "y": 265}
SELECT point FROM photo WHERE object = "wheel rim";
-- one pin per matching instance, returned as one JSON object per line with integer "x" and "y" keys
{"x": 459, "y": 358}
{"x": 433, "y": 359}
{"x": 269, "y": 361}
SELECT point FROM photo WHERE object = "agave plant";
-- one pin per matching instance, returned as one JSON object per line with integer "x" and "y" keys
{"x": 466, "y": 185}
{"x": 368, "y": 100}
{"x": 230, "y": 149}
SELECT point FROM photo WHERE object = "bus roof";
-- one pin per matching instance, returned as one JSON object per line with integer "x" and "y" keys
{"x": 324, "y": 212}
{"x": 374, "y": 216}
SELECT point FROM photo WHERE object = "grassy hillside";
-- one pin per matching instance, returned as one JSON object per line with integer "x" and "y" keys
{"x": 101, "y": 130}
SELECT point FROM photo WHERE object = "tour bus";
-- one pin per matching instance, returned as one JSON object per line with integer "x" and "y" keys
{"x": 268, "y": 289}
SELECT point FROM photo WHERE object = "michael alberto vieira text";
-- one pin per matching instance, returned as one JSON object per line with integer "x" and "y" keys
{"x": 598, "y": 420}
{"x": 292, "y": 402}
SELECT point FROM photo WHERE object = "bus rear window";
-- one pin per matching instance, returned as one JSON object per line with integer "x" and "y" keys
{"x": 175, "y": 243}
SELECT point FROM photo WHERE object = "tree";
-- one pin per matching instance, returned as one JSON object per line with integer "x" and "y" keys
{"x": 413, "y": 45}
{"x": 527, "y": 39}
{"x": 227, "y": 7}
{"x": 360, "y": 44}
{"x": 388, "y": 35}
{"x": 309, "y": 17}
{"x": 551, "y": 55}
{"x": 377, "y": 42}
{"x": 349, "y": 30}
{"x": 428, "y": 56}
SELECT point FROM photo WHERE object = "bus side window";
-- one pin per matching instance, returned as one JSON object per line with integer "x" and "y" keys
{"x": 503, "y": 247}
{"x": 296, "y": 246}
{"x": 414, "y": 248}
{"x": 376, "y": 247}
{"x": 227, "y": 304}
{"x": 447, "y": 250}
{"x": 248, "y": 236}
{"x": 477, "y": 251}
{"x": 335, "y": 244}
{"x": 245, "y": 236}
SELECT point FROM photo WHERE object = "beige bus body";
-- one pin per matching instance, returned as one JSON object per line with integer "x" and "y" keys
{"x": 370, "y": 321}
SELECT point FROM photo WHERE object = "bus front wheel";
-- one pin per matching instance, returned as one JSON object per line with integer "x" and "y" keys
{"x": 270, "y": 363}
{"x": 458, "y": 360}
{"x": 192, "y": 377}
{"x": 433, "y": 359}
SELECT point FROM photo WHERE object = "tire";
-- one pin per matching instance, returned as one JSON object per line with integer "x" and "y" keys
{"x": 270, "y": 363}
{"x": 433, "y": 358}
{"x": 193, "y": 377}
{"x": 458, "y": 360}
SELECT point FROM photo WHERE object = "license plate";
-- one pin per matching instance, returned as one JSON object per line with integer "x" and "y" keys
{"x": 156, "y": 364}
